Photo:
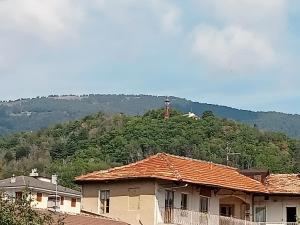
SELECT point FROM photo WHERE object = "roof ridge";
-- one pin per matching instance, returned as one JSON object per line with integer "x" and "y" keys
{"x": 203, "y": 161}
{"x": 170, "y": 165}
{"x": 118, "y": 167}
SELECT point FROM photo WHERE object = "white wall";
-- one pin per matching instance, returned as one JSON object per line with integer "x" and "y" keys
{"x": 193, "y": 200}
{"x": 67, "y": 208}
{"x": 276, "y": 207}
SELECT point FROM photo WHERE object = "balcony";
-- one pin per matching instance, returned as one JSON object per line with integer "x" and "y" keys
{"x": 187, "y": 217}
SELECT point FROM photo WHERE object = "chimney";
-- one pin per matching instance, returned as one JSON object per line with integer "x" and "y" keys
{"x": 54, "y": 179}
{"x": 34, "y": 173}
{"x": 13, "y": 179}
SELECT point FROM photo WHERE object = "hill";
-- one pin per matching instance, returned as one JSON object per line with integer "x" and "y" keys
{"x": 40, "y": 112}
{"x": 100, "y": 141}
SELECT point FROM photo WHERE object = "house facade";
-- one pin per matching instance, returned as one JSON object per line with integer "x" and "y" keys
{"x": 44, "y": 192}
{"x": 166, "y": 189}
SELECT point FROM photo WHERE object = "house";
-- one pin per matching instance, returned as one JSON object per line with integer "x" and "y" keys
{"x": 43, "y": 191}
{"x": 168, "y": 189}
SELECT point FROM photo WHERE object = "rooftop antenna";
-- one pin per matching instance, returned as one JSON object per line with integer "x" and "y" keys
{"x": 229, "y": 153}
{"x": 167, "y": 108}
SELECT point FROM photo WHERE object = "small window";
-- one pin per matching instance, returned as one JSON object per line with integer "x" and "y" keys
{"x": 104, "y": 200}
{"x": 184, "y": 201}
{"x": 19, "y": 195}
{"x": 227, "y": 210}
{"x": 39, "y": 197}
{"x": 62, "y": 199}
{"x": 73, "y": 202}
{"x": 134, "y": 198}
{"x": 204, "y": 201}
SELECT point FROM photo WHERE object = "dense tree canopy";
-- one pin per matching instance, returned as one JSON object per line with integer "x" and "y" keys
{"x": 100, "y": 141}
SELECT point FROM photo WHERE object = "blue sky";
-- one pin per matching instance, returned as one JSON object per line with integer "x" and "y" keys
{"x": 239, "y": 53}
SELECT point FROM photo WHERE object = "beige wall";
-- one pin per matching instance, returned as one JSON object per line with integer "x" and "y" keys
{"x": 119, "y": 201}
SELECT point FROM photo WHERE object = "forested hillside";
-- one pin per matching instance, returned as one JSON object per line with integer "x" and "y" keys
{"x": 100, "y": 141}
{"x": 32, "y": 114}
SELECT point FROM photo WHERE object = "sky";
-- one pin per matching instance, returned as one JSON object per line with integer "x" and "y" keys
{"x": 239, "y": 53}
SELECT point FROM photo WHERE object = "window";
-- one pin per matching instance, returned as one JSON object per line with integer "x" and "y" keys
{"x": 184, "y": 203}
{"x": 134, "y": 198}
{"x": 18, "y": 195}
{"x": 73, "y": 202}
{"x": 227, "y": 210}
{"x": 104, "y": 200}
{"x": 260, "y": 214}
{"x": 62, "y": 199}
{"x": 39, "y": 197}
{"x": 203, "y": 204}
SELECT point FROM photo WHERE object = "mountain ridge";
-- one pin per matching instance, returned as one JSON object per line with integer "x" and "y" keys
{"x": 30, "y": 114}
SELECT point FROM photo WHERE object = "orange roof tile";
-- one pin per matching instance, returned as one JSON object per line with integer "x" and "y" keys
{"x": 176, "y": 168}
{"x": 89, "y": 220}
{"x": 283, "y": 184}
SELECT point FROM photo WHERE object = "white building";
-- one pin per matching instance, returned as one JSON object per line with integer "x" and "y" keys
{"x": 43, "y": 192}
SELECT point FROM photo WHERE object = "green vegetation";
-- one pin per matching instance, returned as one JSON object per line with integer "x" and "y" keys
{"x": 19, "y": 212}
{"x": 33, "y": 114}
{"x": 100, "y": 141}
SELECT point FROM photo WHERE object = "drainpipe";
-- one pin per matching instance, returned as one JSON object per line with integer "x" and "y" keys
{"x": 252, "y": 207}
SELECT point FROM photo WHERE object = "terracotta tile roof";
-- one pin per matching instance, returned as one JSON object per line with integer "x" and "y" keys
{"x": 170, "y": 167}
{"x": 283, "y": 184}
{"x": 89, "y": 220}
{"x": 81, "y": 219}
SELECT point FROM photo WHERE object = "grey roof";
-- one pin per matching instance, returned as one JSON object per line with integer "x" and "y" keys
{"x": 31, "y": 182}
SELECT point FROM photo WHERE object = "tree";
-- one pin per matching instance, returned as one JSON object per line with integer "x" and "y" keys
{"x": 207, "y": 114}
{"x": 8, "y": 156}
{"x": 22, "y": 151}
{"x": 18, "y": 211}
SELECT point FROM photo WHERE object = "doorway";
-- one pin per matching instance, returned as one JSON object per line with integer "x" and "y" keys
{"x": 291, "y": 214}
{"x": 169, "y": 206}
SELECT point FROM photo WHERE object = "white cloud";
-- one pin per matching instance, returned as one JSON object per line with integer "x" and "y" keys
{"x": 170, "y": 21}
{"x": 248, "y": 35}
{"x": 162, "y": 14}
{"x": 47, "y": 20}
{"x": 119, "y": 28}
{"x": 232, "y": 48}
{"x": 248, "y": 13}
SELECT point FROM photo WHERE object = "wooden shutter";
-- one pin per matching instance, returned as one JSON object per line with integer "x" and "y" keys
{"x": 73, "y": 202}
{"x": 39, "y": 197}
{"x": 62, "y": 199}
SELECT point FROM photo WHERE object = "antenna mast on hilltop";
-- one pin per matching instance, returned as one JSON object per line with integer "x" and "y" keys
{"x": 167, "y": 108}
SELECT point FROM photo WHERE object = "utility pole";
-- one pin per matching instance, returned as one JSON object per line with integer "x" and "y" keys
{"x": 229, "y": 153}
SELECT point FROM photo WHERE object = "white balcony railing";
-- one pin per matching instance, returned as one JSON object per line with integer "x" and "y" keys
{"x": 279, "y": 223}
{"x": 187, "y": 217}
